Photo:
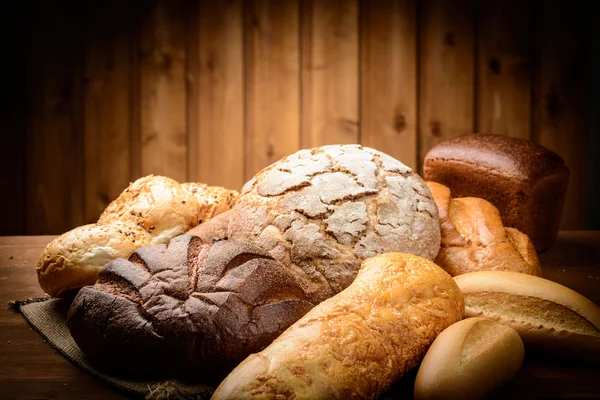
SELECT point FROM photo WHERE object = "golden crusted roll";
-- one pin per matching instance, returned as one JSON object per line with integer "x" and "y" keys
{"x": 474, "y": 239}
{"x": 213, "y": 200}
{"x": 549, "y": 317}
{"x": 357, "y": 343}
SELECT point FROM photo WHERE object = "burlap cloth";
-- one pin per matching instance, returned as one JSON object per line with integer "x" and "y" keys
{"x": 48, "y": 317}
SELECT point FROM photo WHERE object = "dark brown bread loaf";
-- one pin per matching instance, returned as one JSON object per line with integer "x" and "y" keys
{"x": 185, "y": 310}
{"x": 525, "y": 181}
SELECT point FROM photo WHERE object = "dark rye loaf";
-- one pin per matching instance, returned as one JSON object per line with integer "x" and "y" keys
{"x": 185, "y": 310}
{"x": 525, "y": 181}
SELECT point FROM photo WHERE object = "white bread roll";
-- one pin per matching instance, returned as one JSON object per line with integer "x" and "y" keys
{"x": 549, "y": 317}
{"x": 74, "y": 259}
{"x": 471, "y": 359}
{"x": 357, "y": 343}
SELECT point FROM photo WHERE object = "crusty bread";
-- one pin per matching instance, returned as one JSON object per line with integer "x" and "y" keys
{"x": 213, "y": 200}
{"x": 474, "y": 239}
{"x": 188, "y": 310}
{"x": 357, "y": 343}
{"x": 74, "y": 259}
{"x": 548, "y": 316}
{"x": 471, "y": 359}
{"x": 156, "y": 203}
{"x": 525, "y": 181}
{"x": 213, "y": 229}
{"x": 322, "y": 211}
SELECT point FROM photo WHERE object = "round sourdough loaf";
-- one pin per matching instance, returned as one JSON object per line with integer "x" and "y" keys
{"x": 322, "y": 211}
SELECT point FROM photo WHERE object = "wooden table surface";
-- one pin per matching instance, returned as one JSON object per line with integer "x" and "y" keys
{"x": 31, "y": 369}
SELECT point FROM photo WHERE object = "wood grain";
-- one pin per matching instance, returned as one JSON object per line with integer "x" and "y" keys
{"x": 217, "y": 145}
{"x": 561, "y": 97}
{"x": 388, "y": 78}
{"x": 107, "y": 101}
{"x": 446, "y": 72}
{"x": 505, "y": 33}
{"x": 163, "y": 136}
{"x": 54, "y": 90}
{"x": 272, "y": 80}
{"x": 329, "y": 72}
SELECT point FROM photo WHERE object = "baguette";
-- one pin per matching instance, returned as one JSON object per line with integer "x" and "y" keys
{"x": 471, "y": 359}
{"x": 549, "y": 317}
{"x": 357, "y": 343}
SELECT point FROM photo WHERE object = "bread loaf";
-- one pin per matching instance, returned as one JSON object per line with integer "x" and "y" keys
{"x": 322, "y": 211}
{"x": 152, "y": 209}
{"x": 549, "y": 317}
{"x": 473, "y": 238}
{"x": 213, "y": 229}
{"x": 74, "y": 259}
{"x": 470, "y": 359}
{"x": 357, "y": 343}
{"x": 525, "y": 181}
{"x": 185, "y": 310}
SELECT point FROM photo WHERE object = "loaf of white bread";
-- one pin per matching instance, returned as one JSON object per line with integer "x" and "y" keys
{"x": 152, "y": 210}
{"x": 548, "y": 316}
{"x": 357, "y": 343}
{"x": 469, "y": 360}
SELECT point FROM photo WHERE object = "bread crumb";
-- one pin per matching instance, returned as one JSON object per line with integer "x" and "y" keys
{"x": 9, "y": 342}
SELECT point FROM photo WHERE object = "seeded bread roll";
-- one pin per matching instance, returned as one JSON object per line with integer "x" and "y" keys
{"x": 469, "y": 360}
{"x": 186, "y": 310}
{"x": 525, "y": 181}
{"x": 549, "y": 317}
{"x": 473, "y": 238}
{"x": 357, "y": 343}
{"x": 213, "y": 200}
{"x": 74, "y": 259}
{"x": 322, "y": 211}
{"x": 157, "y": 204}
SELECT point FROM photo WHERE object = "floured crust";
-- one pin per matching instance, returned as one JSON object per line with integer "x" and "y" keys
{"x": 157, "y": 204}
{"x": 357, "y": 343}
{"x": 213, "y": 200}
{"x": 74, "y": 259}
{"x": 469, "y": 360}
{"x": 322, "y": 211}
{"x": 474, "y": 238}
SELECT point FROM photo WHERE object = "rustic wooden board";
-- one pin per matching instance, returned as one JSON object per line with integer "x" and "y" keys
{"x": 55, "y": 148}
{"x": 272, "y": 80}
{"x": 446, "y": 72}
{"x": 505, "y": 33}
{"x": 388, "y": 78}
{"x": 107, "y": 103}
{"x": 562, "y": 97}
{"x": 329, "y": 72}
{"x": 163, "y": 135}
{"x": 217, "y": 133}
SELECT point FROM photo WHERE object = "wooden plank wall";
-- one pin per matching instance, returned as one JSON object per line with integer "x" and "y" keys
{"x": 213, "y": 91}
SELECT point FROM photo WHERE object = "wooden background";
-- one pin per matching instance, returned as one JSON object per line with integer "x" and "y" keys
{"x": 99, "y": 93}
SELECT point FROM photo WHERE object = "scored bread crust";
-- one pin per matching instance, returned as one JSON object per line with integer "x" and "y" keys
{"x": 186, "y": 310}
{"x": 157, "y": 204}
{"x": 469, "y": 360}
{"x": 474, "y": 239}
{"x": 549, "y": 317}
{"x": 357, "y": 343}
{"x": 74, "y": 259}
{"x": 324, "y": 210}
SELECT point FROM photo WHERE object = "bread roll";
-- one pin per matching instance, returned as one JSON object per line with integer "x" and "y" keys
{"x": 322, "y": 211}
{"x": 188, "y": 310}
{"x": 525, "y": 181}
{"x": 157, "y": 204}
{"x": 470, "y": 359}
{"x": 213, "y": 229}
{"x": 549, "y": 317}
{"x": 74, "y": 259}
{"x": 474, "y": 239}
{"x": 213, "y": 200}
{"x": 357, "y": 343}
